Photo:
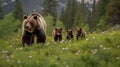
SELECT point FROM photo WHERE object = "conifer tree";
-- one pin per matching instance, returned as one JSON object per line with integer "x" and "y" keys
{"x": 112, "y": 15}
{"x": 1, "y": 11}
{"x": 18, "y": 10}
{"x": 50, "y": 7}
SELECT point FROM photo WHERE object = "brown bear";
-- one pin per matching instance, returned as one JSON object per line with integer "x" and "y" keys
{"x": 57, "y": 34}
{"x": 33, "y": 25}
{"x": 80, "y": 33}
{"x": 69, "y": 34}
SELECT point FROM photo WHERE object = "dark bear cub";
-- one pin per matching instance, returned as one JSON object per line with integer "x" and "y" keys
{"x": 33, "y": 25}
{"x": 80, "y": 33}
{"x": 69, "y": 34}
{"x": 57, "y": 34}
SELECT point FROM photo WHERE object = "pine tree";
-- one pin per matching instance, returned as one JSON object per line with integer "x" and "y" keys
{"x": 18, "y": 10}
{"x": 1, "y": 11}
{"x": 69, "y": 14}
{"x": 50, "y": 7}
{"x": 112, "y": 15}
{"x": 100, "y": 14}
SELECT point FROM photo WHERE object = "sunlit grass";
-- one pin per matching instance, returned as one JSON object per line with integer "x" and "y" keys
{"x": 97, "y": 50}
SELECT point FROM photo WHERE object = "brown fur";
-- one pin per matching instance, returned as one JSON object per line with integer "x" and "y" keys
{"x": 33, "y": 25}
{"x": 80, "y": 33}
{"x": 69, "y": 34}
{"x": 57, "y": 34}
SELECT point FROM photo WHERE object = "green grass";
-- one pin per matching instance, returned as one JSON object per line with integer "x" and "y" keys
{"x": 97, "y": 50}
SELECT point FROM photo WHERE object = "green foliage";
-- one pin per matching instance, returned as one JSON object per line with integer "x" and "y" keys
{"x": 97, "y": 50}
{"x": 49, "y": 23}
{"x": 8, "y": 25}
{"x": 18, "y": 10}
{"x": 50, "y": 7}
{"x": 1, "y": 10}
{"x": 113, "y": 12}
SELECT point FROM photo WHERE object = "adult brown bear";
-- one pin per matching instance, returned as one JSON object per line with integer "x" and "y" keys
{"x": 33, "y": 25}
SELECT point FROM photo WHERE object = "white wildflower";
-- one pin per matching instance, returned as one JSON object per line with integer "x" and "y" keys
{"x": 67, "y": 65}
{"x": 96, "y": 50}
{"x": 87, "y": 39}
{"x": 19, "y": 62}
{"x": 11, "y": 46}
{"x": 64, "y": 62}
{"x": 30, "y": 56}
{"x": 47, "y": 43}
{"x": 104, "y": 48}
{"x": 63, "y": 49}
{"x": 101, "y": 46}
{"x": 118, "y": 58}
{"x": 20, "y": 48}
{"x": 76, "y": 53}
{"x": 8, "y": 60}
{"x": 118, "y": 46}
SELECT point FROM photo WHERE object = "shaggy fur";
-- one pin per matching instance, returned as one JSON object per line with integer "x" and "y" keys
{"x": 33, "y": 25}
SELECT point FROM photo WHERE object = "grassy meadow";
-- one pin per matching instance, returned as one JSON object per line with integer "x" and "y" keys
{"x": 96, "y": 50}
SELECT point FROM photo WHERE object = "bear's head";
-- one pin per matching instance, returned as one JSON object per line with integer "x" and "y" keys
{"x": 79, "y": 31}
{"x": 69, "y": 32}
{"x": 58, "y": 31}
{"x": 30, "y": 23}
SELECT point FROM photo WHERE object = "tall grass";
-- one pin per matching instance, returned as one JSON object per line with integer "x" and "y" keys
{"x": 97, "y": 50}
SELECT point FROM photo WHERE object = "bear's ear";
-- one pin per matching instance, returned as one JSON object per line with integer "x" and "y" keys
{"x": 55, "y": 28}
{"x": 71, "y": 31}
{"x": 25, "y": 17}
{"x": 35, "y": 17}
{"x": 61, "y": 28}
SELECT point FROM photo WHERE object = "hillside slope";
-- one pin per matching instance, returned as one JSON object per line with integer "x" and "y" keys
{"x": 97, "y": 50}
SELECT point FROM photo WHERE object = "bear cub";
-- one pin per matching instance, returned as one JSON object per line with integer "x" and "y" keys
{"x": 80, "y": 33}
{"x": 69, "y": 34}
{"x": 57, "y": 34}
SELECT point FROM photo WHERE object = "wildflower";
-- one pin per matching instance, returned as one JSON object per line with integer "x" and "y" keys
{"x": 7, "y": 57}
{"x": 67, "y": 65}
{"x": 11, "y": 55}
{"x": 20, "y": 48}
{"x": 11, "y": 46}
{"x": 19, "y": 62}
{"x": 95, "y": 50}
{"x": 108, "y": 48}
{"x": 87, "y": 39}
{"x": 118, "y": 46}
{"x": 30, "y": 56}
{"x": 17, "y": 48}
{"x": 64, "y": 62}
{"x": 93, "y": 37}
{"x": 118, "y": 58}
{"x": 76, "y": 53}
{"x": 8, "y": 60}
{"x": 104, "y": 48}
{"x": 101, "y": 46}
{"x": 62, "y": 41}
{"x": 63, "y": 49}
{"x": 47, "y": 43}
{"x": 4, "y": 51}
